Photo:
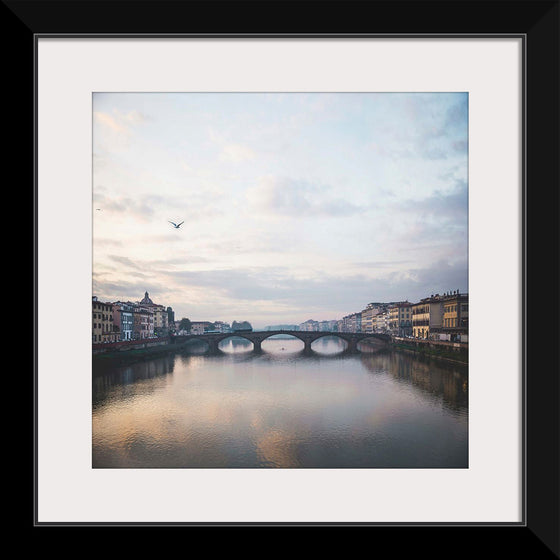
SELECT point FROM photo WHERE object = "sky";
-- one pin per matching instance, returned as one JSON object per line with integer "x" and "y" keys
{"x": 295, "y": 206}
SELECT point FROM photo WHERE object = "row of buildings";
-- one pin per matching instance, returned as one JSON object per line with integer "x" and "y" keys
{"x": 438, "y": 317}
{"x": 126, "y": 320}
{"x": 201, "y": 327}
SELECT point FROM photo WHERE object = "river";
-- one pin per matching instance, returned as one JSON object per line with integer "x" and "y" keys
{"x": 281, "y": 408}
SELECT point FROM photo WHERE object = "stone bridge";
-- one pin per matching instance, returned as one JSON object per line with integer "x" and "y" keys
{"x": 308, "y": 337}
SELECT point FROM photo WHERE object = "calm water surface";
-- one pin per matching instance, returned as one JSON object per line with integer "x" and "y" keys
{"x": 281, "y": 408}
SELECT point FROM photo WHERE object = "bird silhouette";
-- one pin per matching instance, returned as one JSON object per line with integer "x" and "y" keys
{"x": 176, "y": 226}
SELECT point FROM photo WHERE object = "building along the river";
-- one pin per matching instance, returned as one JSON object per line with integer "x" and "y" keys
{"x": 382, "y": 322}
{"x": 102, "y": 321}
{"x": 455, "y": 325}
{"x": 160, "y": 315}
{"x": 400, "y": 319}
{"x": 427, "y": 314}
{"x": 368, "y": 317}
{"x": 123, "y": 319}
{"x": 143, "y": 323}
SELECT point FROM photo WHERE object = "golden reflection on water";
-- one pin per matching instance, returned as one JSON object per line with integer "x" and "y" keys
{"x": 276, "y": 447}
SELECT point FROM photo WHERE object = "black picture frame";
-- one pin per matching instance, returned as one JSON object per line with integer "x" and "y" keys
{"x": 535, "y": 21}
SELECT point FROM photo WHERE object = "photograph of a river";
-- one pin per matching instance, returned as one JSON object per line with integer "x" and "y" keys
{"x": 281, "y": 408}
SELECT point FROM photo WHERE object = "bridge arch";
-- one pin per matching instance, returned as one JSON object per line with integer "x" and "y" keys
{"x": 231, "y": 336}
{"x": 274, "y": 342}
{"x": 322, "y": 336}
{"x": 290, "y": 334}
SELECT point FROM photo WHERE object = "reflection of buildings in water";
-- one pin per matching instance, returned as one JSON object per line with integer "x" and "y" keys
{"x": 378, "y": 362}
{"x": 155, "y": 368}
{"x": 103, "y": 383}
{"x": 370, "y": 345}
{"x": 449, "y": 381}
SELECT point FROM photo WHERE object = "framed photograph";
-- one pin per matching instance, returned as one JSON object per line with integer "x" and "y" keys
{"x": 306, "y": 254}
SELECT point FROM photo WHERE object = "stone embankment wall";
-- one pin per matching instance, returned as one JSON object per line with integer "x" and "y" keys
{"x": 127, "y": 352}
{"x": 125, "y": 345}
{"x": 456, "y": 351}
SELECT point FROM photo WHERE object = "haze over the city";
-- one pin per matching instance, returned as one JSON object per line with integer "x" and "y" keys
{"x": 295, "y": 206}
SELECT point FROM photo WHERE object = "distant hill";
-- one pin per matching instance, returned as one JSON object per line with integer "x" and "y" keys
{"x": 282, "y": 328}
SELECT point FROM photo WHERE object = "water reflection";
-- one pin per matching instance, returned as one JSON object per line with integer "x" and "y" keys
{"x": 282, "y": 409}
{"x": 329, "y": 345}
{"x": 441, "y": 379}
{"x": 235, "y": 344}
{"x": 370, "y": 345}
{"x": 112, "y": 382}
{"x": 195, "y": 347}
{"x": 282, "y": 344}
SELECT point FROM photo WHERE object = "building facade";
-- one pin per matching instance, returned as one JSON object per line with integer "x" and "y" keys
{"x": 143, "y": 323}
{"x": 427, "y": 317}
{"x": 382, "y": 322}
{"x": 368, "y": 318}
{"x": 102, "y": 322}
{"x": 160, "y": 315}
{"x": 161, "y": 325}
{"x": 455, "y": 325}
{"x": 123, "y": 318}
{"x": 222, "y": 327}
{"x": 200, "y": 327}
{"x": 400, "y": 319}
{"x": 356, "y": 322}
{"x": 328, "y": 326}
{"x": 309, "y": 325}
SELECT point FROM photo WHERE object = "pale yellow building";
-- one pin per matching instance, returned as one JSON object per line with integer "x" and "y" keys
{"x": 102, "y": 322}
{"x": 456, "y": 316}
{"x": 368, "y": 318}
{"x": 427, "y": 314}
{"x": 161, "y": 325}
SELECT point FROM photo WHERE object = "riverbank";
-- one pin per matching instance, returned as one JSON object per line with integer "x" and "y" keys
{"x": 459, "y": 356}
{"x": 132, "y": 355}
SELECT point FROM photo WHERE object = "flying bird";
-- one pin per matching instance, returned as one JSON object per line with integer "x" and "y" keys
{"x": 176, "y": 226}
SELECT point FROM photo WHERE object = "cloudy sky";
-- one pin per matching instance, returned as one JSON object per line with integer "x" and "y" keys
{"x": 296, "y": 206}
